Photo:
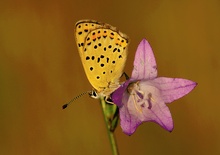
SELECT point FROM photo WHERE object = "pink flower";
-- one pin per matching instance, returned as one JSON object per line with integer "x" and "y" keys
{"x": 143, "y": 97}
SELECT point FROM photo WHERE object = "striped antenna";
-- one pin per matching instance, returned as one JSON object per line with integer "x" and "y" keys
{"x": 75, "y": 98}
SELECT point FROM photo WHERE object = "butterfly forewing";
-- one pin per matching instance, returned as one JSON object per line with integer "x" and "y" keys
{"x": 103, "y": 52}
{"x": 82, "y": 29}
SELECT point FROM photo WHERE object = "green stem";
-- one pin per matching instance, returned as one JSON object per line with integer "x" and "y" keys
{"x": 110, "y": 133}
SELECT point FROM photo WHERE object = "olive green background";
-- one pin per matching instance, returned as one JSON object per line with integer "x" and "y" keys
{"x": 40, "y": 70}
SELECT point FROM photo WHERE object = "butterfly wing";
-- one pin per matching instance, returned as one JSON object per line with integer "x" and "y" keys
{"x": 103, "y": 51}
{"x": 82, "y": 29}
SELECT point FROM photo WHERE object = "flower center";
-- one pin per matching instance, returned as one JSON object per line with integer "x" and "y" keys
{"x": 138, "y": 96}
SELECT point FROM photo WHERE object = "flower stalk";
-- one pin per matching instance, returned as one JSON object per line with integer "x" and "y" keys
{"x": 111, "y": 118}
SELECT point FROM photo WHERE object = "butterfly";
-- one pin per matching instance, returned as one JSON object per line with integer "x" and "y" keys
{"x": 103, "y": 52}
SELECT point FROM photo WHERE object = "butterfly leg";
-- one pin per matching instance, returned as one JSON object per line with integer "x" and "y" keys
{"x": 126, "y": 76}
{"x": 108, "y": 100}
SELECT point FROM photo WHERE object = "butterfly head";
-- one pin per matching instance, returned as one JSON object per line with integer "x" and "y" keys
{"x": 105, "y": 93}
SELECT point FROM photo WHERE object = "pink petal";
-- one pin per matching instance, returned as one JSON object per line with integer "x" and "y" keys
{"x": 172, "y": 88}
{"x": 117, "y": 95}
{"x": 145, "y": 66}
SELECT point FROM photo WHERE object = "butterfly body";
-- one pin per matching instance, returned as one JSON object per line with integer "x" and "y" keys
{"x": 103, "y": 52}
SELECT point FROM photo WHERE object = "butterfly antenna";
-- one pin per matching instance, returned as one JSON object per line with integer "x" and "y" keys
{"x": 75, "y": 98}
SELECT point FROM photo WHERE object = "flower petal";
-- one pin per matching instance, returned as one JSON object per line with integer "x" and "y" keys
{"x": 145, "y": 66}
{"x": 137, "y": 109}
{"x": 172, "y": 88}
{"x": 118, "y": 93}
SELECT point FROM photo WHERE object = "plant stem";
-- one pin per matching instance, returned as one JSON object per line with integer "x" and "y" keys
{"x": 108, "y": 126}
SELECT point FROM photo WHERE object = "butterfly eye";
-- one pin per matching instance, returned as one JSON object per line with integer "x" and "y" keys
{"x": 93, "y": 94}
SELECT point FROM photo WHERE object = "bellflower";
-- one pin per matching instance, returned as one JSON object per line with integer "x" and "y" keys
{"x": 143, "y": 97}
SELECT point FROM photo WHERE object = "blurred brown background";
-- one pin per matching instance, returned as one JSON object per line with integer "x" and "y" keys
{"x": 40, "y": 70}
